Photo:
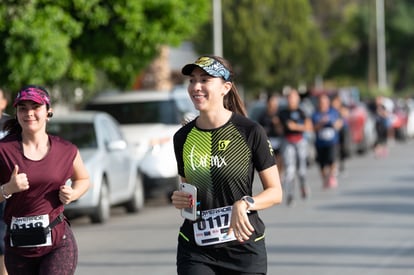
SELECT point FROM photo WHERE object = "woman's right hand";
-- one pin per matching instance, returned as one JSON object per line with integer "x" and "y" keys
{"x": 18, "y": 181}
{"x": 182, "y": 199}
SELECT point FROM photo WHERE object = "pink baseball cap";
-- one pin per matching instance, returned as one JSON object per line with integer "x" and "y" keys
{"x": 33, "y": 93}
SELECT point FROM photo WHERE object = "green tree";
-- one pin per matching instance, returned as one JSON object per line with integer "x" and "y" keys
{"x": 52, "y": 42}
{"x": 270, "y": 43}
{"x": 346, "y": 26}
{"x": 350, "y": 30}
{"x": 399, "y": 24}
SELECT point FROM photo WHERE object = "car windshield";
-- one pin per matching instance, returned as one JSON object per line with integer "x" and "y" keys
{"x": 141, "y": 112}
{"x": 185, "y": 105}
{"x": 81, "y": 134}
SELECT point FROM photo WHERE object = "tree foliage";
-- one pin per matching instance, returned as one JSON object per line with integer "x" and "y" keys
{"x": 350, "y": 29}
{"x": 99, "y": 43}
{"x": 400, "y": 38}
{"x": 346, "y": 26}
{"x": 271, "y": 43}
{"x": 51, "y": 42}
{"x": 284, "y": 42}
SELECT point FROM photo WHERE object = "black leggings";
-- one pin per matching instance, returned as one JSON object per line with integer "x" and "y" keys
{"x": 62, "y": 260}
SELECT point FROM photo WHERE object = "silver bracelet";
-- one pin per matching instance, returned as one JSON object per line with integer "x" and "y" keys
{"x": 5, "y": 196}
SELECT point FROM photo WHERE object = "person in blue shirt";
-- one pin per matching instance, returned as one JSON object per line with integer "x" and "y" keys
{"x": 327, "y": 122}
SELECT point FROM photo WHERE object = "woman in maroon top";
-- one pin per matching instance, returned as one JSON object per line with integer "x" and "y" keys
{"x": 34, "y": 170}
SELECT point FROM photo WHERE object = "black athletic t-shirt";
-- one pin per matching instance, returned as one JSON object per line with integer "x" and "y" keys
{"x": 221, "y": 163}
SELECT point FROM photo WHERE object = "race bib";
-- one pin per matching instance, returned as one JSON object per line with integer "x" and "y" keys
{"x": 30, "y": 223}
{"x": 327, "y": 134}
{"x": 213, "y": 226}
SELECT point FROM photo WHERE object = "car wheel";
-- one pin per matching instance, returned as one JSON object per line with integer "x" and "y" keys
{"x": 102, "y": 211}
{"x": 136, "y": 203}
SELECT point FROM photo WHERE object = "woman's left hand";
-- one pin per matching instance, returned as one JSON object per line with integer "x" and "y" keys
{"x": 240, "y": 224}
{"x": 65, "y": 194}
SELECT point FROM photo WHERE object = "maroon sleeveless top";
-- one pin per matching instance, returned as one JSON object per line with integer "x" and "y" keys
{"x": 45, "y": 178}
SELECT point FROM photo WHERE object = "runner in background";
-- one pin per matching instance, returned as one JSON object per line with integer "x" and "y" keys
{"x": 327, "y": 122}
{"x": 270, "y": 121}
{"x": 344, "y": 134}
{"x": 294, "y": 123}
{"x": 383, "y": 111}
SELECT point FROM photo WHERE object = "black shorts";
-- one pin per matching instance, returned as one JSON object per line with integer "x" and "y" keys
{"x": 246, "y": 259}
{"x": 326, "y": 155}
{"x": 382, "y": 132}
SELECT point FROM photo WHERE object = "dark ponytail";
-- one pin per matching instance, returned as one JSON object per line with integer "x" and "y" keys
{"x": 12, "y": 127}
{"x": 232, "y": 100}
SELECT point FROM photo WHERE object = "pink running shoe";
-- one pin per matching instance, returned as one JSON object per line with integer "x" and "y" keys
{"x": 333, "y": 182}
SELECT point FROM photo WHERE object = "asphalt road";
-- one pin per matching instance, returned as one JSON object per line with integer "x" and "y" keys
{"x": 365, "y": 226}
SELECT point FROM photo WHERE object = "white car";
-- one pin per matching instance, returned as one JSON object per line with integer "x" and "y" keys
{"x": 149, "y": 119}
{"x": 410, "y": 117}
{"x": 108, "y": 158}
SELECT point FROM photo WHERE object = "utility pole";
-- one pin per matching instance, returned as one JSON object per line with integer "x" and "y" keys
{"x": 372, "y": 47}
{"x": 217, "y": 28}
{"x": 381, "y": 54}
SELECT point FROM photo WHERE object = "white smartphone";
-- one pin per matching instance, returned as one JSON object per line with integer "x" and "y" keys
{"x": 189, "y": 213}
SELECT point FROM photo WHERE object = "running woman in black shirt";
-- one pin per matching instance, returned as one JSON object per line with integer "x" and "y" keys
{"x": 294, "y": 149}
{"x": 218, "y": 153}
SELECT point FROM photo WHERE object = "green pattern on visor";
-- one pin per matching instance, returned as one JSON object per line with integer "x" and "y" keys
{"x": 210, "y": 66}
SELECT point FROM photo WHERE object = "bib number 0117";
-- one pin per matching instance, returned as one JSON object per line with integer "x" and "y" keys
{"x": 212, "y": 222}
{"x": 213, "y": 227}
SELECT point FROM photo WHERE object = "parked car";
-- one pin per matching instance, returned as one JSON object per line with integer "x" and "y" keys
{"x": 362, "y": 128}
{"x": 184, "y": 103}
{"x": 108, "y": 158}
{"x": 409, "y": 106}
{"x": 149, "y": 119}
